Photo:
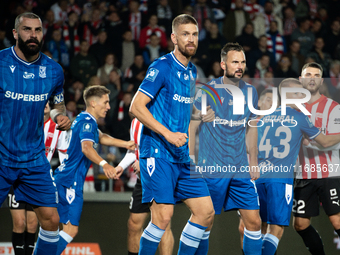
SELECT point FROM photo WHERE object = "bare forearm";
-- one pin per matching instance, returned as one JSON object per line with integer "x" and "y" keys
{"x": 92, "y": 154}
{"x": 60, "y": 108}
{"x": 108, "y": 140}
{"x": 251, "y": 139}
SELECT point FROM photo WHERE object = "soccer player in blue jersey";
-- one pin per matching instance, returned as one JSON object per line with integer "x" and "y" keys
{"x": 279, "y": 140}
{"x": 224, "y": 145}
{"x": 163, "y": 104}
{"x": 28, "y": 80}
{"x": 70, "y": 176}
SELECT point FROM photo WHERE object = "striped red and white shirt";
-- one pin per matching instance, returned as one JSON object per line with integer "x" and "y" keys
{"x": 54, "y": 139}
{"x": 317, "y": 164}
{"x": 135, "y": 134}
{"x": 135, "y": 21}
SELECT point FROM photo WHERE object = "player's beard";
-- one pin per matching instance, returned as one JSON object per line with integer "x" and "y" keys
{"x": 232, "y": 77}
{"x": 29, "y": 50}
{"x": 185, "y": 52}
{"x": 314, "y": 89}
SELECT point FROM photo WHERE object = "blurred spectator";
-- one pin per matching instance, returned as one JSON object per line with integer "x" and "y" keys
{"x": 115, "y": 86}
{"x": 286, "y": 4}
{"x": 235, "y": 21}
{"x": 284, "y": 70}
{"x": 73, "y": 7}
{"x": 71, "y": 110}
{"x": 215, "y": 71}
{"x": 70, "y": 34}
{"x": 47, "y": 53}
{"x": 104, "y": 71}
{"x": 188, "y": 10}
{"x": 321, "y": 57}
{"x": 309, "y": 60}
{"x": 75, "y": 93}
{"x": 210, "y": 48}
{"x": 120, "y": 123}
{"x": 201, "y": 12}
{"x": 253, "y": 8}
{"x": 19, "y": 9}
{"x": 318, "y": 29}
{"x": 101, "y": 48}
{"x": 83, "y": 65}
{"x": 275, "y": 41}
{"x": 295, "y": 57}
{"x": 60, "y": 11}
{"x": 306, "y": 8}
{"x": 322, "y": 15}
{"x": 127, "y": 51}
{"x": 262, "y": 66}
{"x": 135, "y": 19}
{"x": 164, "y": 15}
{"x": 94, "y": 80}
{"x": 304, "y": 36}
{"x": 58, "y": 49}
{"x": 333, "y": 37}
{"x": 49, "y": 25}
{"x": 267, "y": 82}
{"x": 247, "y": 38}
{"x": 256, "y": 54}
{"x": 135, "y": 73}
{"x": 90, "y": 25}
{"x": 262, "y": 20}
{"x": 152, "y": 28}
{"x": 334, "y": 74}
{"x": 152, "y": 50}
{"x": 203, "y": 33}
{"x": 4, "y": 42}
{"x": 289, "y": 23}
{"x": 114, "y": 28}
{"x": 103, "y": 9}
{"x": 171, "y": 46}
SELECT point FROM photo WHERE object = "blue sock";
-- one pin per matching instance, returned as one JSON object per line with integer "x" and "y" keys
{"x": 150, "y": 239}
{"x": 252, "y": 242}
{"x": 190, "y": 238}
{"x": 47, "y": 242}
{"x": 269, "y": 245}
{"x": 64, "y": 240}
{"x": 204, "y": 244}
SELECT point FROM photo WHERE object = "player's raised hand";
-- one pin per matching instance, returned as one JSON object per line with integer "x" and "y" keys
{"x": 110, "y": 171}
{"x": 210, "y": 116}
{"x": 178, "y": 139}
{"x": 119, "y": 172}
{"x": 130, "y": 145}
{"x": 63, "y": 122}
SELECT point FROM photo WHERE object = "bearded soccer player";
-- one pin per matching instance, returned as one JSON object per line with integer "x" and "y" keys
{"x": 318, "y": 177}
{"x": 163, "y": 104}
{"x": 29, "y": 79}
{"x": 225, "y": 145}
{"x": 25, "y": 221}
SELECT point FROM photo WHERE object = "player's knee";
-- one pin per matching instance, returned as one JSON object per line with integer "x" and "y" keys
{"x": 134, "y": 225}
{"x": 299, "y": 225}
{"x": 335, "y": 220}
{"x": 19, "y": 225}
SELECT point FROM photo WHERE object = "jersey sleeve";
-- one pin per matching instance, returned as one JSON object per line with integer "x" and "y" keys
{"x": 333, "y": 126}
{"x": 58, "y": 93}
{"x": 87, "y": 131}
{"x": 307, "y": 126}
{"x": 154, "y": 78}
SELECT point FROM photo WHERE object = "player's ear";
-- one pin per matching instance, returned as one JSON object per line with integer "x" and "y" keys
{"x": 222, "y": 65}
{"x": 173, "y": 39}
{"x": 15, "y": 34}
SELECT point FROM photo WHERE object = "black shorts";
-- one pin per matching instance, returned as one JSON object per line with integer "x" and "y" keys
{"x": 13, "y": 204}
{"x": 308, "y": 194}
{"x": 136, "y": 205}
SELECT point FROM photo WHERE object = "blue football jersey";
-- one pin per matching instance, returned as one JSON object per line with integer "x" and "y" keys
{"x": 223, "y": 142}
{"x": 279, "y": 140}
{"x": 171, "y": 87}
{"x": 25, "y": 88}
{"x": 74, "y": 168}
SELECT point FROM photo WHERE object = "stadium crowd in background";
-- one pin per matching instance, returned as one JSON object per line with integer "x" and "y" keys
{"x": 112, "y": 42}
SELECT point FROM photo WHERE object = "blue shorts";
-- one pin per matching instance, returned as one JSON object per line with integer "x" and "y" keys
{"x": 233, "y": 194}
{"x": 168, "y": 183}
{"x": 70, "y": 204}
{"x": 276, "y": 200}
{"x": 33, "y": 185}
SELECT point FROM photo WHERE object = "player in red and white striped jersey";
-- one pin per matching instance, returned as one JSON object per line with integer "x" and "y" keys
{"x": 318, "y": 173}
{"x": 139, "y": 212}
{"x": 25, "y": 221}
